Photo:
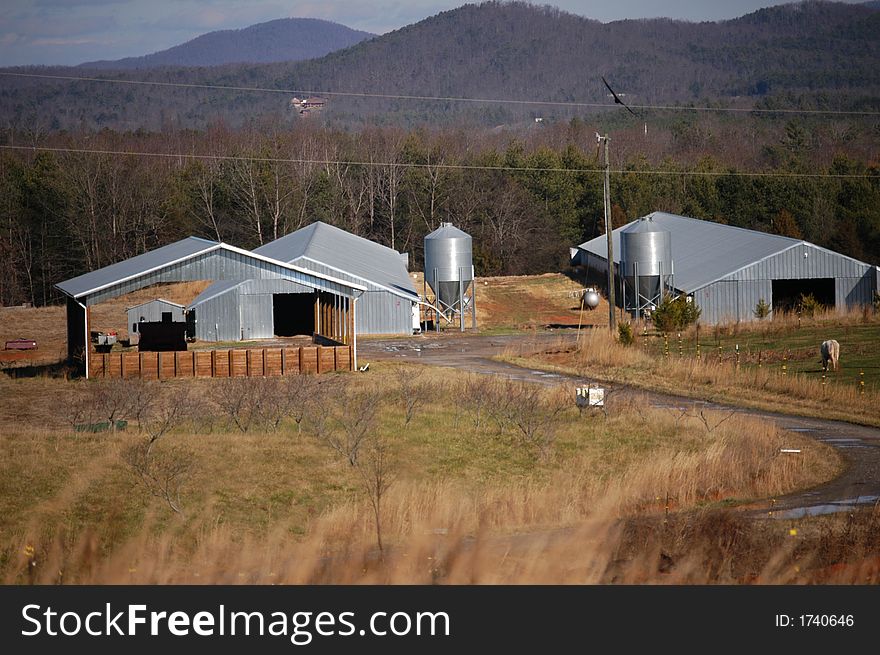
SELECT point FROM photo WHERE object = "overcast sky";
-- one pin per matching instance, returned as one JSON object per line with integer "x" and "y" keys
{"x": 73, "y": 31}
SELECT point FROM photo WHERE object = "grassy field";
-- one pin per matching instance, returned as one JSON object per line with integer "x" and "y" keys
{"x": 466, "y": 479}
{"x": 274, "y": 501}
{"x": 789, "y": 341}
{"x": 716, "y": 375}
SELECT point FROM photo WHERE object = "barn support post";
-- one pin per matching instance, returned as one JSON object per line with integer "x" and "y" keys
{"x": 473, "y": 300}
{"x": 78, "y": 335}
{"x": 317, "y": 312}
{"x": 354, "y": 336}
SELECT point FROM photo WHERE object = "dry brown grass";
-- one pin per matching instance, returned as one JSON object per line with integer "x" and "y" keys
{"x": 470, "y": 504}
{"x": 709, "y": 547}
{"x": 786, "y": 322}
{"x": 44, "y": 324}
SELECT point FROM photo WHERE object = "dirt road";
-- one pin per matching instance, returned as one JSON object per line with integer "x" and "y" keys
{"x": 859, "y": 446}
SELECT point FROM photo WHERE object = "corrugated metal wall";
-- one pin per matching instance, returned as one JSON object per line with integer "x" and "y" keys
{"x": 223, "y": 318}
{"x": 218, "y": 319}
{"x": 734, "y": 297}
{"x": 256, "y": 316}
{"x": 380, "y": 312}
{"x": 731, "y": 300}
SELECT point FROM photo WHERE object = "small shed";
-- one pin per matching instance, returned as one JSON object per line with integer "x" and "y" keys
{"x": 153, "y": 311}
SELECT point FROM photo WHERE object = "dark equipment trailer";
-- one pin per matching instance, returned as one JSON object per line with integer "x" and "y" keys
{"x": 162, "y": 337}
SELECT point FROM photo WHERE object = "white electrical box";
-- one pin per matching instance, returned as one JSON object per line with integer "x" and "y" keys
{"x": 590, "y": 396}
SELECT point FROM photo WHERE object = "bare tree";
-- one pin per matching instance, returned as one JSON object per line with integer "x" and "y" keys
{"x": 162, "y": 472}
{"x": 205, "y": 177}
{"x": 345, "y": 427}
{"x": 347, "y": 422}
{"x": 530, "y": 412}
{"x": 411, "y": 389}
{"x": 245, "y": 191}
{"x": 376, "y": 468}
{"x": 175, "y": 406}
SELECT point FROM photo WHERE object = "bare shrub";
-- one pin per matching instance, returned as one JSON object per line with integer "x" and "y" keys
{"x": 529, "y": 412}
{"x": 161, "y": 471}
{"x": 345, "y": 419}
{"x": 412, "y": 390}
{"x": 376, "y": 468}
{"x": 109, "y": 401}
{"x": 169, "y": 407}
{"x": 245, "y": 400}
{"x": 263, "y": 403}
{"x": 299, "y": 391}
{"x": 477, "y": 396}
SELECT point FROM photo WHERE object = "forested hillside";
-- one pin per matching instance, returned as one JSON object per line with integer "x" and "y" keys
{"x": 809, "y": 55}
{"x": 285, "y": 39}
{"x": 524, "y": 199}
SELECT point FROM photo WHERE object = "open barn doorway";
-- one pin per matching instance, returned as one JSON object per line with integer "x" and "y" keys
{"x": 787, "y": 293}
{"x": 294, "y": 314}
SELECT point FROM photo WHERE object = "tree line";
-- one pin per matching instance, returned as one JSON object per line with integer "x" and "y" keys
{"x": 525, "y": 201}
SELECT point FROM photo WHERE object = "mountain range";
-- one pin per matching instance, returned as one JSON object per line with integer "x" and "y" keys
{"x": 285, "y": 39}
{"x": 812, "y": 54}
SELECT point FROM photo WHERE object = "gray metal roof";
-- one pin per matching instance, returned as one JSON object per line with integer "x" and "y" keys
{"x": 155, "y": 261}
{"x": 345, "y": 252}
{"x": 217, "y": 288}
{"x": 702, "y": 252}
{"x": 138, "y": 265}
{"x": 161, "y": 300}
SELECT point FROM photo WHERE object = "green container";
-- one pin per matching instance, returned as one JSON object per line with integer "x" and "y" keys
{"x": 102, "y": 426}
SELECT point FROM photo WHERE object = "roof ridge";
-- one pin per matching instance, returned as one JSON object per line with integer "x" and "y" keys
{"x": 723, "y": 225}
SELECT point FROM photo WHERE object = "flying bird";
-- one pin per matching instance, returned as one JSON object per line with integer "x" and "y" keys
{"x": 618, "y": 100}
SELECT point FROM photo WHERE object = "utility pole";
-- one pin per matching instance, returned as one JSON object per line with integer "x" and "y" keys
{"x": 606, "y": 196}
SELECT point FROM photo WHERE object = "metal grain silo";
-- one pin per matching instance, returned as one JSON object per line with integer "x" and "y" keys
{"x": 645, "y": 264}
{"x": 449, "y": 272}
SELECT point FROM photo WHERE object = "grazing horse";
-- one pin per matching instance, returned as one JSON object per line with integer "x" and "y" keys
{"x": 830, "y": 351}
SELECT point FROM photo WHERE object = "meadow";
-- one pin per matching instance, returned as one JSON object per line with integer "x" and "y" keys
{"x": 406, "y": 474}
{"x": 776, "y": 366}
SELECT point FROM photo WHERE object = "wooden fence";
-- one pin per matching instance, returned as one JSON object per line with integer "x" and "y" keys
{"x": 242, "y": 362}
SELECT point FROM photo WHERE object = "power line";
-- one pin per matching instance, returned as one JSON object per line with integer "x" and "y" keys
{"x": 411, "y": 165}
{"x": 389, "y": 96}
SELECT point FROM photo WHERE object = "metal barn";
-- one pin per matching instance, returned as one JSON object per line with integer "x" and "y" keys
{"x": 333, "y": 308}
{"x": 727, "y": 270}
{"x": 153, "y": 311}
{"x": 259, "y": 309}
